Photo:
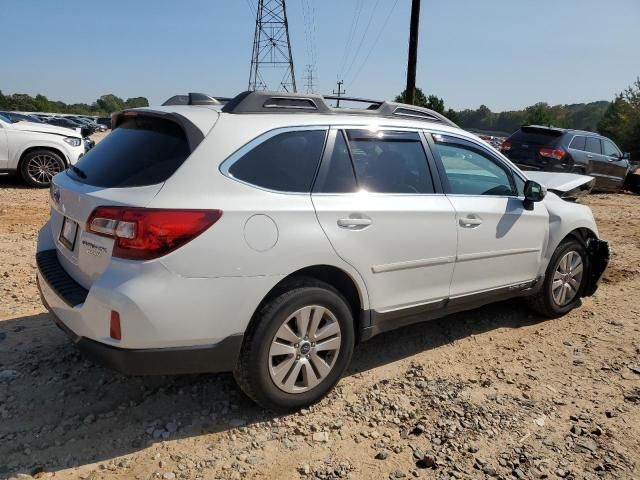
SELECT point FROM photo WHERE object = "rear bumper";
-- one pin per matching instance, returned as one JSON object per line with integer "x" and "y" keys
{"x": 77, "y": 313}
{"x": 220, "y": 357}
{"x": 599, "y": 254}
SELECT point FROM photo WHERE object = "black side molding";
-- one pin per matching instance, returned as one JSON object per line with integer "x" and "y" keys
{"x": 385, "y": 321}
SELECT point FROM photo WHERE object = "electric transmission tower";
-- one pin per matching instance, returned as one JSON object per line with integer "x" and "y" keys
{"x": 271, "y": 60}
{"x": 310, "y": 79}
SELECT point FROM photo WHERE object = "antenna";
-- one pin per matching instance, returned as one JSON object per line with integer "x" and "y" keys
{"x": 271, "y": 60}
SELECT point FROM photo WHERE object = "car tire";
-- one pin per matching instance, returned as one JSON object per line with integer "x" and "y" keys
{"x": 569, "y": 277}
{"x": 279, "y": 367}
{"x": 38, "y": 167}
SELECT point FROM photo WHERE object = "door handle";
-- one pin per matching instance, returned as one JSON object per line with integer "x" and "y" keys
{"x": 470, "y": 222}
{"x": 354, "y": 223}
{"x": 589, "y": 156}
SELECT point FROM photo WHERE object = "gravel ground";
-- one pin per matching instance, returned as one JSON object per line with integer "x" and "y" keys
{"x": 492, "y": 393}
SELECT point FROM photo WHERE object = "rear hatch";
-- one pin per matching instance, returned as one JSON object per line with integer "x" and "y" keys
{"x": 523, "y": 147}
{"x": 127, "y": 168}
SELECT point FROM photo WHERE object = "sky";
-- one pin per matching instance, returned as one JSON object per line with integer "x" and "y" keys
{"x": 506, "y": 54}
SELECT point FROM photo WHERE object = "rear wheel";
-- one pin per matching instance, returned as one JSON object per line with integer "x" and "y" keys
{"x": 38, "y": 167}
{"x": 297, "y": 347}
{"x": 564, "y": 282}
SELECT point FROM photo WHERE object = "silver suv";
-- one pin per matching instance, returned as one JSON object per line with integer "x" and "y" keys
{"x": 269, "y": 235}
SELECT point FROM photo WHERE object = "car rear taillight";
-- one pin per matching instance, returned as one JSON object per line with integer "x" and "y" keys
{"x": 555, "y": 153}
{"x": 147, "y": 233}
{"x": 506, "y": 146}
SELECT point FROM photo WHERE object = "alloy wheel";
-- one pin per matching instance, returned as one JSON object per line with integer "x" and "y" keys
{"x": 43, "y": 167}
{"x": 304, "y": 350}
{"x": 567, "y": 278}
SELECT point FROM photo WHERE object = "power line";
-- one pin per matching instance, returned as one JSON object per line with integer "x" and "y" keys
{"x": 352, "y": 30}
{"x": 375, "y": 42}
{"x": 373, "y": 11}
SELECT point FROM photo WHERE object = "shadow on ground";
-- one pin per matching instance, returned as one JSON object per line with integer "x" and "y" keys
{"x": 61, "y": 411}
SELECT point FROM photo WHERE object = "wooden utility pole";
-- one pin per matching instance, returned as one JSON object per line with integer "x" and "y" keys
{"x": 410, "y": 91}
{"x": 339, "y": 93}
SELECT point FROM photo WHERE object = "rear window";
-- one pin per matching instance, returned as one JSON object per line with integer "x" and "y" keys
{"x": 286, "y": 162}
{"x": 141, "y": 151}
{"x": 536, "y": 136}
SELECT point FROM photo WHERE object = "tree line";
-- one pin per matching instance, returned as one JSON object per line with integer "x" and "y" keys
{"x": 618, "y": 120}
{"x": 105, "y": 105}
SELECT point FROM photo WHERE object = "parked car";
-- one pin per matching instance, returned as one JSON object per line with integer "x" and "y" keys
{"x": 268, "y": 236}
{"x": 565, "y": 150}
{"x": 69, "y": 123}
{"x": 20, "y": 117}
{"x": 86, "y": 123}
{"x": 37, "y": 151}
{"x": 106, "y": 121}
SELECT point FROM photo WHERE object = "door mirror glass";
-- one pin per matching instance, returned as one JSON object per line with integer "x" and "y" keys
{"x": 533, "y": 192}
{"x": 626, "y": 156}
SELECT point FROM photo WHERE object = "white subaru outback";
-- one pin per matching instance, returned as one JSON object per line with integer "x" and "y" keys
{"x": 268, "y": 236}
{"x": 37, "y": 151}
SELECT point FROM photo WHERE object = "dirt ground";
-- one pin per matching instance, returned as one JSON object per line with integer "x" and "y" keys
{"x": 492, "y": 393}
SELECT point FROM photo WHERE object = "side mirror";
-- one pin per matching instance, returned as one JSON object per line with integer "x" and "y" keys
{"x": 533, "y": 192}
{"x": 626, "y": 156}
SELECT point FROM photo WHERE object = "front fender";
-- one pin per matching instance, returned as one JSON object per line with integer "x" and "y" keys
{"x": 564, "y": 218}
{"x": 18, "y": 151}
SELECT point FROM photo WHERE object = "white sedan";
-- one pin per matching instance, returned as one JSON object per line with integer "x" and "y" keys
{"x": 37, "y": 151}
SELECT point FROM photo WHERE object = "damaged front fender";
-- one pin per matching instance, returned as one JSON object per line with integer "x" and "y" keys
{"x": 567, "y": 186}
{"x": 599, "y": 255}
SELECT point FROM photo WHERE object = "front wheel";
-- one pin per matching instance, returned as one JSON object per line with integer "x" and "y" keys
{"x": 38, "y": 167}
{"x": 297, "y": 347}
{"x": 564, "y": 281}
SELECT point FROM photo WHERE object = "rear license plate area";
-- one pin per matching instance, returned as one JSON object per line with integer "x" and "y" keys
{"x": 68, "y": 233}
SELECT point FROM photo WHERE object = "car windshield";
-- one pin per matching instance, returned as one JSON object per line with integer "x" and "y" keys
{"x": 4, "y": 119}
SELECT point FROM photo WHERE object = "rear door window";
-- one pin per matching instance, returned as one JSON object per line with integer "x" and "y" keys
{"x": 141, "y": 151}
{"x": 578, "y": 142}
{"x": 286, "y": 162}
{"x": 593, "y": 145}
{"x": 390, "y": 161}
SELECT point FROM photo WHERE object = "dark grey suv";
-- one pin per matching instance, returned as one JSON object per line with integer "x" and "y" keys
{"x": 573, "y": 151}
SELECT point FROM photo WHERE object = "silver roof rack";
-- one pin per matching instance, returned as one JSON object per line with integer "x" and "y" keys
{"x": 297, "y": 103}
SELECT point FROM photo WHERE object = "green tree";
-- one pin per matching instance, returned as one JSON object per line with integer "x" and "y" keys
{"x": 110, "y": 103}
{"x": 420, "y": 99}
{"x": 432, "y": 102}
{"x": 540, "y": 114}
{"x": 136, "y": 102}
{"x": 621, "y": 120}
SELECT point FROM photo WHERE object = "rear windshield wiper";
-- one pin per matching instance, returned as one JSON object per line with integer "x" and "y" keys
{"x": 78, "y": 172}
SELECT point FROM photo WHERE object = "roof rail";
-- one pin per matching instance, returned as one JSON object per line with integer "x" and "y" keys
{"x": 279, "y": 102}
{"x": 192, "y": 99}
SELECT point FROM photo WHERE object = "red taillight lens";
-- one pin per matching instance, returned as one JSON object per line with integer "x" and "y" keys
{"x": 506, "y": 146}
{"x": 146, "y": 233}
{"x": 115, "y": 331}
{"x": 555, "y": 153}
